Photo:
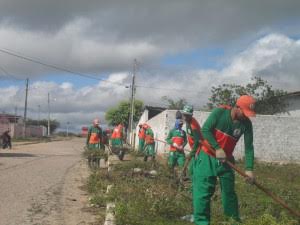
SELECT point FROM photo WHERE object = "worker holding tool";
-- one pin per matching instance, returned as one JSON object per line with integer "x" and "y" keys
{"x": 177, "y": 140}
{"x": 142, "y": 136}
{"x": 221, "y": 131}
{"x": 149, "y": 149}
{"x": 94, "y": 136}
{"x": 194, "y": 135}
{"x": 117, "y": 136}
{"x": 117, "y": 141}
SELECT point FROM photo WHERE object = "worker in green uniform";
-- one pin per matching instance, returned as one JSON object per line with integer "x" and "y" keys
{"x": 117, "y": 136}
{"x": 93, "y": 143}
{"x": 221, "y": 131}
{"x": 141, "y": 135}
{"x": 194, "y": 135}
{"x": 177, "y": 140}
{"x": 94, "y": 136}
{"x": 149, "y": 149}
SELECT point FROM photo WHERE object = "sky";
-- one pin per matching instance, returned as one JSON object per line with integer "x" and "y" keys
{"x": 183, "y": 48}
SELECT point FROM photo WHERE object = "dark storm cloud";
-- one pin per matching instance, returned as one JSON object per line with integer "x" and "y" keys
{"x": 188, "y": 23}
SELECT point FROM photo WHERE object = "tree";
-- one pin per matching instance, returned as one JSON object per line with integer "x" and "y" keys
{"x": 54, "y": 124}
{"x": 175, "y": 104}
{"x": 121, "y": 113}
{"x": 269, "y": 100}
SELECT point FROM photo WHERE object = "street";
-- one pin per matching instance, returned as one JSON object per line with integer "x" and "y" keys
{"x": 42, "y": 184}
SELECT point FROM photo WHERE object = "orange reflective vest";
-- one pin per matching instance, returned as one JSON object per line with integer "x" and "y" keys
{"x": 176, "y": 140}
{"x": 225, "y": 141}
{"x": 142, "y": 133}
{"x": 94, "y": 138}
{"x": 149, "y": 139}
{"x": 194, "y": 126}
{"x": 117, "y": 133}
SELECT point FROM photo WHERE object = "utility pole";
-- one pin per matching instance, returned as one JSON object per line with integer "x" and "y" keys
{"x": 48, "y": 115}
{"x": 25, "y": 108}
{"x": 39, "y": 114}
{"x": 16, "y": 114}
{"x": 132, "y": 99}
{"x": 68, "y": 129}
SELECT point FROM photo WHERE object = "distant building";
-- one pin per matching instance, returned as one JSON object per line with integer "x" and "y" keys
{"x": 293, "y": 101}
{"x": 149, "y": 113}
{"x": 15, "y": 125}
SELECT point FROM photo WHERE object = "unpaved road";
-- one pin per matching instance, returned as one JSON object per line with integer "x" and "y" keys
{"x": 41, "y": 184}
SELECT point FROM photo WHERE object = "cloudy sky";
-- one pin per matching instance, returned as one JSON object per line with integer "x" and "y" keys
{"x": 183, "y": 48}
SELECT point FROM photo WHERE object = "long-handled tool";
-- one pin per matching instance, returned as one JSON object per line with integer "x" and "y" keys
{"x": 258, "y": 185}
{"x": 182, "y": 174}
{"x": 109, "y": 149}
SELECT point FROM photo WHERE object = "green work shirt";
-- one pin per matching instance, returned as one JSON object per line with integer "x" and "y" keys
{"x": 222, "y": 132}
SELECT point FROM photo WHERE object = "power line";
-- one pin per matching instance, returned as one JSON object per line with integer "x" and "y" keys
{"x": 40, "y": 62}
{"x": 168, "y": 89}
{"x": 9, "y": 74}
{"x": 37, "y": 61}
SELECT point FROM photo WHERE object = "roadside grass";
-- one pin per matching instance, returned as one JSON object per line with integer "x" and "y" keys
{"x": 144, "y": 200}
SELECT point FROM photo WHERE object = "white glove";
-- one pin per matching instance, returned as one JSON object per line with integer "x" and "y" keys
{"x": 175, "y": 145}
{"x": 220, "y": 155}
{"x": 251, "y": 178}
{"x": 180, "y": 148}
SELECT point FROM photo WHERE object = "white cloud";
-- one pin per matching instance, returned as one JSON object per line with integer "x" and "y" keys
{"x": 274, "y": 57}
{"x": 71, "y": 47}
{"x": 97, "y": 36}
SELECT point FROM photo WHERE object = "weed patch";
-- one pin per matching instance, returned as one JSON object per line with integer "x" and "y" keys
{"x": 146, "y": 200}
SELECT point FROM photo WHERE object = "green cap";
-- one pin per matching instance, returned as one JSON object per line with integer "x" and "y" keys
{"x": 188, "y": 110}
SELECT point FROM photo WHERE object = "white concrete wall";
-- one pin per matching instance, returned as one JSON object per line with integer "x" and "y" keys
{"x": 294, "y": 106}
{"x": 276, "y": 138}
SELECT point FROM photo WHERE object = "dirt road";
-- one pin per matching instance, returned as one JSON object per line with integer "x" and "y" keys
{"x": 41, "y": 184}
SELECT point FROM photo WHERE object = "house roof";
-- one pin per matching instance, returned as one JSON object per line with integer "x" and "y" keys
{"x": 154, "y": 110}
{"x": 9, "y": 117}
{"x": 292, "y": 94}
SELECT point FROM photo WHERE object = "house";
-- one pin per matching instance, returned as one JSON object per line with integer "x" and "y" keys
{"x": 149, "y": 113}
{"x": 15, "y": 125}
{"x": 293, "y": 101}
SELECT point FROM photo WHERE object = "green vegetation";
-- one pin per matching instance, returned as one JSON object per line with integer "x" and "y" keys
{"x": 120, "y": 113}
{"x": 175, "y": 104}
{"x": 145, "y": 200}
{"x": 269, "y": 100}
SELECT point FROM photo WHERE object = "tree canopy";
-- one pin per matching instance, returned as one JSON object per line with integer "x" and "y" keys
{"x": 175, "y": 104}
{"x": 121, "y": 113}
{"x": 269, "y": 100}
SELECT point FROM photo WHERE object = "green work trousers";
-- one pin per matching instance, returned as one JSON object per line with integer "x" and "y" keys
{"x": 206, "y": 169}
{"x": 116, "y": 142}
{"x": 149, "y": 150}
{"x": 176, "y": 158}
{"x": 191, "y": 167}
{"x": 141, "y": 144}
{"x": 94, "y": 146}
